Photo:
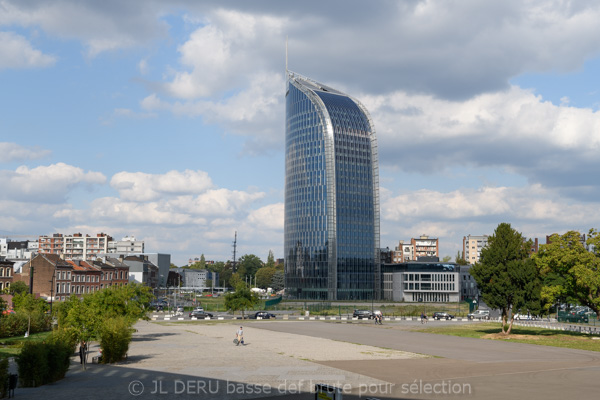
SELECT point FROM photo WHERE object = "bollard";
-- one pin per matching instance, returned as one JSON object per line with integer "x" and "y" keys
{"x": 12, "y": 384}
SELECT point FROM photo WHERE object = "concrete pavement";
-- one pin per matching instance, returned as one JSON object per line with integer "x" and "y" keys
{"x": 283, "y": 360}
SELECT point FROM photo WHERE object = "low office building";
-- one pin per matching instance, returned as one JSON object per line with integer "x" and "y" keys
{"x": 127, "y": 245}
{"x": 435, "y": 282}
{"x": 142, "y": 270}
{"x": 195, "y": 279}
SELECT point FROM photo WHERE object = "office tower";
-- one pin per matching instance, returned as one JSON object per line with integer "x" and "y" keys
{"x": 331, "y": 239}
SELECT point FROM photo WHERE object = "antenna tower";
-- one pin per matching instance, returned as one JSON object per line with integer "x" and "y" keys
{"x": 234, "y": 251}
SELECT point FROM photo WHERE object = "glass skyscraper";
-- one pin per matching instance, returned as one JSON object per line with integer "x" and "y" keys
{"x": 331, "y": 195}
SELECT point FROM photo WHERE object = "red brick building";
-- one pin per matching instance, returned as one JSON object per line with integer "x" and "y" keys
{"x": 6, "y": 274}
{"x": 86, "y": 279}
{"x": 58, "y": 279}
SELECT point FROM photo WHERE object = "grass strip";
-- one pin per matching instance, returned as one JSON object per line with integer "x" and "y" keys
{"x": 520, "y": 334}
{"x": 10, "y": 347}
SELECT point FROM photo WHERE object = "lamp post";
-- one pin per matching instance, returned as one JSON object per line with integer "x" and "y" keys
{"x": 52, "y": 290}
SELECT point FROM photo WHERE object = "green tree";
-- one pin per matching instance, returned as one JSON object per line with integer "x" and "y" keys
{"x": 241, "y": 300}
{"x": 235, "y": 280}
{"x": 459, "y": 259}
{"x": 278, "y": 281}
{"x": 217, "y": 267}
{"x": 250, "y": 264}
{"x": 86, "y": 316}
{"x": 570, "y": 270}
{"x": 264, "y": 277}
{"x": 225, "y": 275}
{"x": 200, "y": 264}
{"x": 446, "y": 258}
{"x": 506, "y": 275}
{"x": 18, "y": 287}
{"x": 270, "y": 260}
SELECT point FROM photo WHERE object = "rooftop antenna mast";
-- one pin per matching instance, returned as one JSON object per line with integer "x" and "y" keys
{"x": 234, "y": 251}
{"x": 286, "y": 54}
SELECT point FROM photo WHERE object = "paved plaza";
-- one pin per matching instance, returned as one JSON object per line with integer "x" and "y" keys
{"x": 285, "y": 359}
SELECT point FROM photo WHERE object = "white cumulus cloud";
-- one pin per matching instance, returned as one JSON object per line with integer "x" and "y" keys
{"x": 45, "y": 184}
{"x": 17, "y": 52}
{"x": 15, "y": 152}
{"x": 139, "y": 186}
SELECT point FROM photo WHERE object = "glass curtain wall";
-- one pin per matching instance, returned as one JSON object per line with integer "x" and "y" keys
{"x": 331, "y": 196}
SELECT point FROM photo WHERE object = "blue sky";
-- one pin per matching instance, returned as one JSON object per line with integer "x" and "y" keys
{"x": 165, "y": 121}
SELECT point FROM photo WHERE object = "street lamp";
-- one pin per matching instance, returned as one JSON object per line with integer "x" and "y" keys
{"x": 52, "y": 290}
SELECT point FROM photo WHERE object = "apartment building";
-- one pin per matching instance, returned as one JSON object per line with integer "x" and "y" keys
{"x": 76, "y": 246}
{"x": 472, "y": 246}
{"x": 424, "y": 246}
{"x": 404, "y": 252}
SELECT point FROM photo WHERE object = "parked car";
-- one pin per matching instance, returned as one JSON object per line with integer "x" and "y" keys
{"x": 479, "y": 314}
{"x": 523, "y": 317}
{"x": 442, "y": 315}
{"x": 200, "y": 314}
{"x": 577, "y": 317}
{"x": 362, "y": 314}
{"x": 263, "y": 315}
{"x": 179, "y": 309}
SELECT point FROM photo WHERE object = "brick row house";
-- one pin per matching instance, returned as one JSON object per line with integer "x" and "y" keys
{"x": 56, "y": 278}
{"x": 6, "y": 274}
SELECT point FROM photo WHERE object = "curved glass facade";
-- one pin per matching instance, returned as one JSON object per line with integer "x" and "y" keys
{"x": 331, "y": 195}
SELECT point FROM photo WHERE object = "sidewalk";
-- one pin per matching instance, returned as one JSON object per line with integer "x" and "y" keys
{"x": 183, "y": 360}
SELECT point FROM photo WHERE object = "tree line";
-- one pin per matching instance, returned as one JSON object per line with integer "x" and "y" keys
{"x": 511, "y": 277}
{"x": 249, "y": 269}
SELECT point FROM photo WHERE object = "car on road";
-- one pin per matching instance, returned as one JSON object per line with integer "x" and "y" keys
{"x": 362, "y": 314}
{"x": 179, "y": 309}
{"x": 262, "y": 315}
{"x": 479, "y": 314}
{"x": 442, "y": 315}
{"x": 523, "y": 317}
{"x": 200, "y": 314}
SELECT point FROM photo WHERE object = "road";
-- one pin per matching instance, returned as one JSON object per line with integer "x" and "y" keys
{"x": 489, "y": 369}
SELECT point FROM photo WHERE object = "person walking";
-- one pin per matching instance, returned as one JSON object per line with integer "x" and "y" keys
{"x": 82, "y": 352}
{"x": 423, "y": 318}
{"x": 239, "y": 335}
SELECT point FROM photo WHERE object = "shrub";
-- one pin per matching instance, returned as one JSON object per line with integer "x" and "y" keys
{"x": 13, "y": 325}
{"x": 40, "y": 322}
{"x": 115, "y": 336}
{"x": 33, "y": 364}
{"x": 61, "y": 344}
{"x": 17, "y": 324}
{"x": 40, "y": 363}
